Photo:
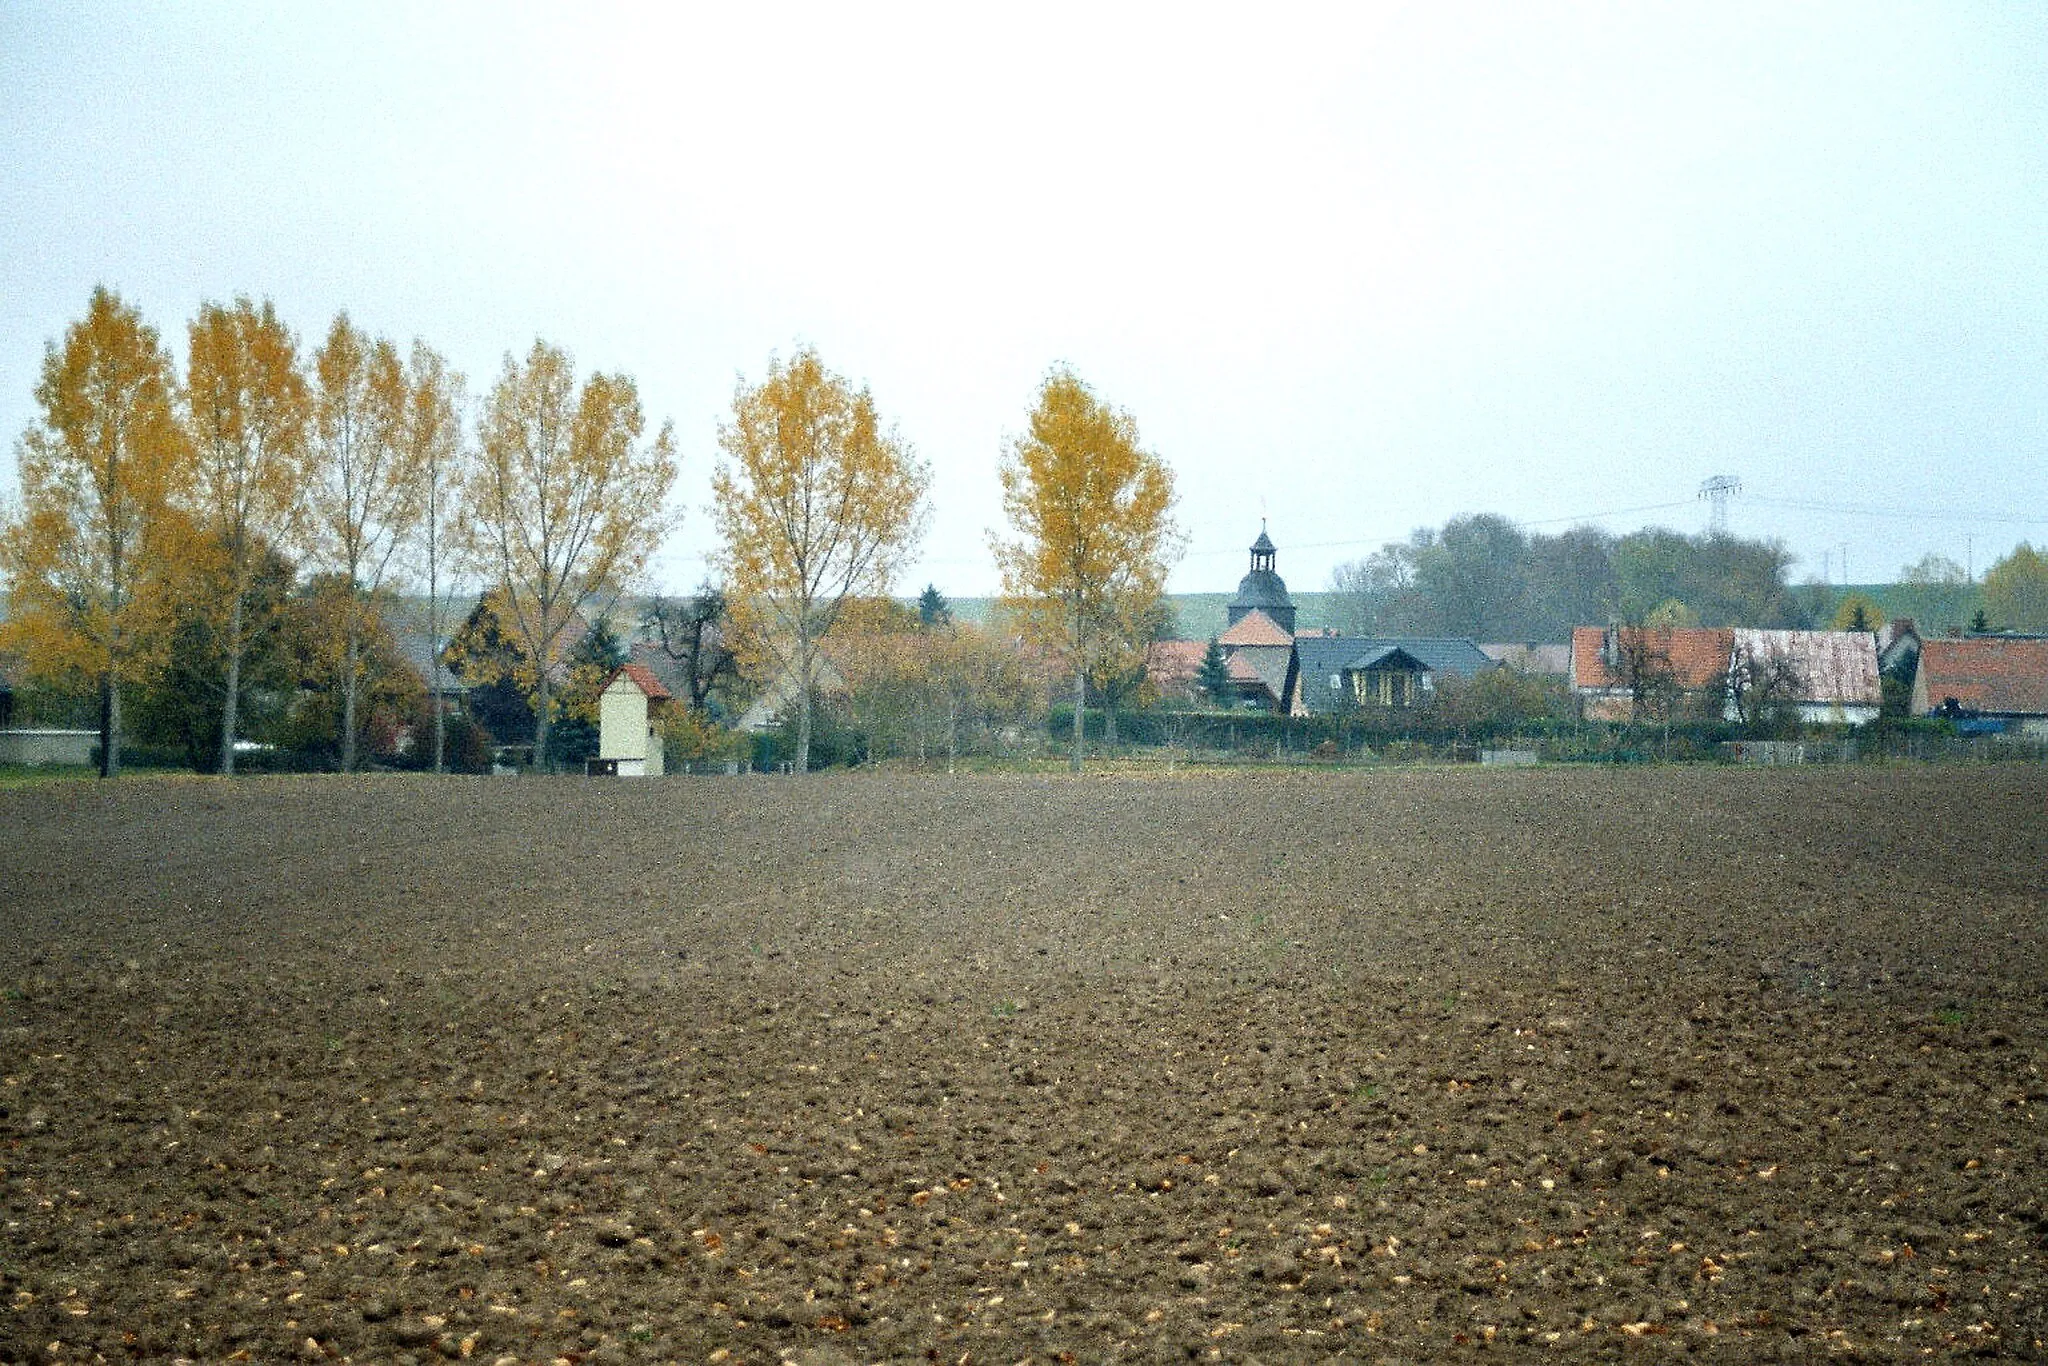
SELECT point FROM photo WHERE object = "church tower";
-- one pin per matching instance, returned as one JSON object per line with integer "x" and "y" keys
{"x": 1262, "y": 590}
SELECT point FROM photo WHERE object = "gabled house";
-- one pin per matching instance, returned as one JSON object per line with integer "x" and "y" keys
{"x": 629, "y": 708}
{"x": 1532, "y": 658}
{"x": 781, "y": 692}
{"x": 1824, "y": 677}
{"x": 2000, "y": 683}
{"x": 428, "y": 660}
{"x": 1339, "y": 673}
{"x": 1611, "y": 666}
{"x": 1828, "y": 677}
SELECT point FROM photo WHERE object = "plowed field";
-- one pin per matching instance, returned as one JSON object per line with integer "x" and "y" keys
{"x": 1401, "y": 1066}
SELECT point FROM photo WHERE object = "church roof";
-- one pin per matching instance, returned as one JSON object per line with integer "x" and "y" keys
{"x": 1255, "y": 628}
{"x": 1264, "y": 545}
{"x": 1261, "y": 589}
{"x": 1271, "y": 665}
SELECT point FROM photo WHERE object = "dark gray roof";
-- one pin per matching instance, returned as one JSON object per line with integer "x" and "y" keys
{"x": 417, "y": 647}
{"x": 1270, "y": 662}
{"x": 1262, "y": 590}
{"x": 1263, "y": 545}
{"x": 1322, "y": 656}
{"x": 669, "y": 671}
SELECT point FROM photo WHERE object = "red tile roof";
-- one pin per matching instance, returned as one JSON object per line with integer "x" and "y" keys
{"x": 643, "y": 679}
{"x": 1255, "y": 628}
{"x": 1698, "y": 656}
{"x": 1174, "y": 663}
{"x": 1986, "y": 674}
{"x": 1241, "y": 670}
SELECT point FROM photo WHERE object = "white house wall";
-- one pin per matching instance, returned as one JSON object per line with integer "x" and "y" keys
{"x": 622, "y": 722}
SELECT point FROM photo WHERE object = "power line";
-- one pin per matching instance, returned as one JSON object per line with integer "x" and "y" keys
{"x": 1612, "y": 512}
{"x": 1902, "y": 514}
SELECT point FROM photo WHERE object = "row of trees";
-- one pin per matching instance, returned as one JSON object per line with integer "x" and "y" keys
{"x": 819, "y": 503}
{"x": 1485, "y": 577}
{"x": 156, "y": 505}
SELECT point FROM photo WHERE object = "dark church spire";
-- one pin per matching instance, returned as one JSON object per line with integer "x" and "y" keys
{"x": 1263, "y": 590}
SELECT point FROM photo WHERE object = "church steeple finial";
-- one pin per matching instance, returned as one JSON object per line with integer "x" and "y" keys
{"x": 1262, "y": 551}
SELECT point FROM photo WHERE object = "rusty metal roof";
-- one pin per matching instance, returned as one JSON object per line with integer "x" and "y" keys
{"x": 1832, "y": 666}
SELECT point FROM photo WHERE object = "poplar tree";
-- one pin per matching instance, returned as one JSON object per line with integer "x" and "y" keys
{"x": 820, "y": 504}
{"x": 1093, "y": 517}
{"x": 564, "y": 504}
{"x": 430, "y": 431}
{"x": 83, "y": 560}
{"x": 364, "y": 493}
{"x": 249, "y": 412}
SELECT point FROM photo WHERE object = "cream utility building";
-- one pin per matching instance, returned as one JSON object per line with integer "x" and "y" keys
{"x": 629, "y": 722}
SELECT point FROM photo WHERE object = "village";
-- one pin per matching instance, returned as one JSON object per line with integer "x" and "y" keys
{"x": 821, "y": 685}
{"x": 655, "y": 691}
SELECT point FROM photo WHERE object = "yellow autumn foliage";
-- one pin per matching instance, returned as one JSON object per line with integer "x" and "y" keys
{"x": 818, "y": 503}
{"x": 1093, "y": 516}
{"x": 84, "y": 561}
{"x": 564, "y": 504}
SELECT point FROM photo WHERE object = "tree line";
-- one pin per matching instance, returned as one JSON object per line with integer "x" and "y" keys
{"x": 196, "y": 538}
{"x": 257, "y": 507}
{"x": 192, "y": 539}
{"x": 1485, "y": 577}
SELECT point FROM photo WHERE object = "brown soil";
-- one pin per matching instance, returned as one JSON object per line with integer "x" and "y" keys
{"x": 1401, "y": 1066}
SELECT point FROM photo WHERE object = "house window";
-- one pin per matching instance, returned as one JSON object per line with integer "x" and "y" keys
{"x": 1336, "y": 682}
{"x": 1387, "y": 687}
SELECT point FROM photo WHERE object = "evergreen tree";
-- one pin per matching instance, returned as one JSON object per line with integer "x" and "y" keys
{"x": 487, "y": 657}
{"x": 1213, "y": 678}
{"x": 572, "y": 734}
{"x": 934, "y": 613}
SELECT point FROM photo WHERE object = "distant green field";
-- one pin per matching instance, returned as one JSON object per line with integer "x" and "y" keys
{"x": 1198, "y": 615}
{"x": 1201, "y": 615}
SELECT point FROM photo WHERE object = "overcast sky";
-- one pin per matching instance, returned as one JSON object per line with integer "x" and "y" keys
{"x": 1360, "y": 268}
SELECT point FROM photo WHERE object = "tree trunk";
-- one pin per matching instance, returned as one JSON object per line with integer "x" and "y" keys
{"x": 803, "y": 726}
{"x": 540, "y": 723}
{"x": 806, "y": 665}
{"x": 434, "y": 614}
{"x": 434, "y": 670}
{"x": 110, "y": 725}
{"x": 348, "y": 697}
{"x": 1080, "y": 709}
{"x": 230, "y": 704}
